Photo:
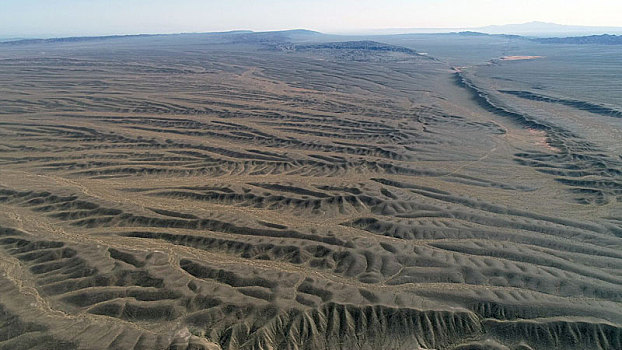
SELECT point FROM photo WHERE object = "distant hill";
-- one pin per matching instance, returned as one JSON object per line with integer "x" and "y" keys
{"x": 72, "y": 39}
{"x": 234, "y": 35}
{"x": 604, "y": 39}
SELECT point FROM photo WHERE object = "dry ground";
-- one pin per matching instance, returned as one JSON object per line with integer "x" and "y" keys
{"x": 169, "y": 193}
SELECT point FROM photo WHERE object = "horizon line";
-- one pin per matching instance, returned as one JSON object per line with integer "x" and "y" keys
{"x": 353, "y": 32}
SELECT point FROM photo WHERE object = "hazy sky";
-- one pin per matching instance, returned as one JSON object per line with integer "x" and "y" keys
{"x": 95, "y": 17}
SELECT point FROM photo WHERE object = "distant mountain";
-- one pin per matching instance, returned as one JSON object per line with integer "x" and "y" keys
{"x": 604, "y": 39}
{"x": 547, "y": 29}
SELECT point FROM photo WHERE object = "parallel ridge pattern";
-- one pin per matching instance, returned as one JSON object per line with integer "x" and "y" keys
{"x": 592, "y": 174}
{"x": 242, "y": 197}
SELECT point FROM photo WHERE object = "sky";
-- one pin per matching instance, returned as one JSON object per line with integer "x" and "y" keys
{"x": 49, "y": 18}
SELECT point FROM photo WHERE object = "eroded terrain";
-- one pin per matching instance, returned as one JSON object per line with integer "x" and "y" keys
{"x": 224, "y": 193}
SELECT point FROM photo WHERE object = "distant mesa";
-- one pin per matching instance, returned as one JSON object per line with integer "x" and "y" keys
{"x": 472, "y": 33}
{"x": 358, "y": 45}
{"x": 356, "y": 50}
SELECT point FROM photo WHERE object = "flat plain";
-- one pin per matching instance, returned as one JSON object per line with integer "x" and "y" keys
{"x": 291, "y": 191}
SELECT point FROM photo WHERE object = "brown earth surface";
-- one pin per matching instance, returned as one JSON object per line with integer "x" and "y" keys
{"x": 181, "y": 193}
